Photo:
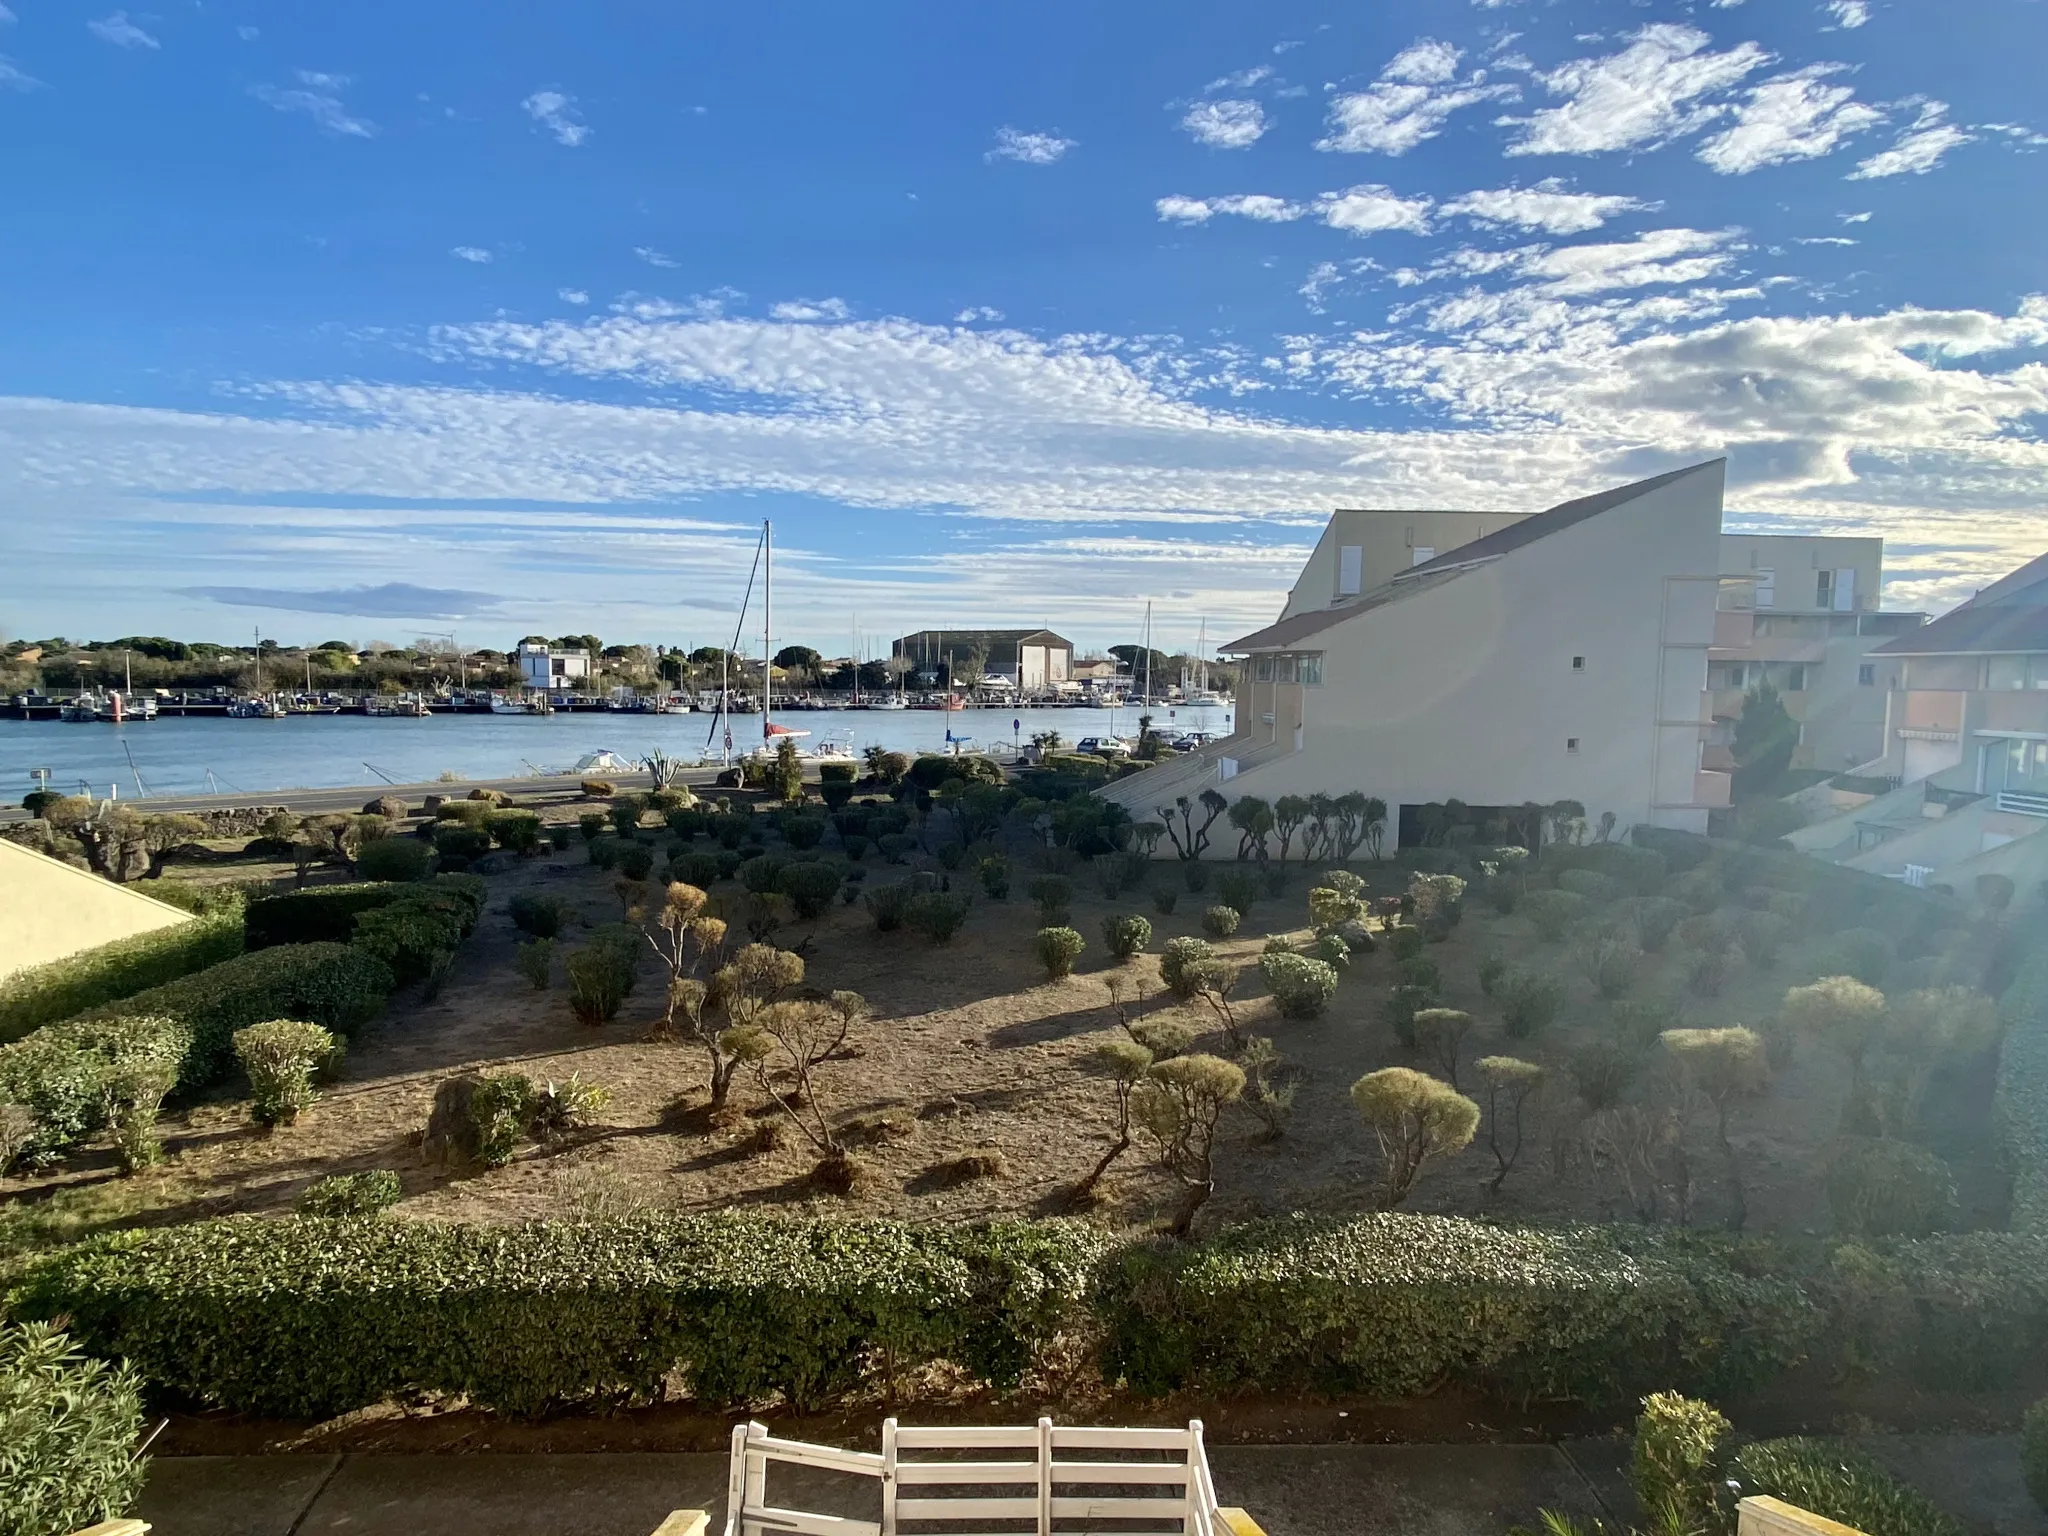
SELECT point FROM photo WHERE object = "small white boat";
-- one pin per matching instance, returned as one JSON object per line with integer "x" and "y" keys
{"x": 602, "y": 761}
{"x": 1207, "y": 698}
{"x": 891, "y": 701}
{"x": 82, "y": 711}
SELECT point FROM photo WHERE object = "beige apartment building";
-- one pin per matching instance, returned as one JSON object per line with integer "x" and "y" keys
{"x": 1802, "y": 613}
{"x": 1491, "y": 658}
{"x": 1966, "y": 740}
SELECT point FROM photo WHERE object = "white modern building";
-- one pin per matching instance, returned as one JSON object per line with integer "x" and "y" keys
{"x": 550, "y": 667}
{"x": 1492, "y": 658}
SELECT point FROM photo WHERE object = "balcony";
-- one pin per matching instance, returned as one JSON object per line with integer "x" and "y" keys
{"x": 1716, "y": 758}
{"x": 1733, "y": 630}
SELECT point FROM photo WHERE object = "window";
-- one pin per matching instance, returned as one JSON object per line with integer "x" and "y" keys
{"x": 1350, "y": 569}
{"x": 1283, "y": 669}
{"x": 1823, "y": 589}
{"x": 1424, "y": 553}
{"x": 2005, "y": 672}
{"x": 1311, "y": 670}
{"x": 1795, "y": 679}
{"x": 2026, "y": 760}
{"x": 1571, "y": 743}
{"x": 1578, "y": 663}
{"x": 1866, "y": 676}
{"x": 1766, "y": 587}
{"x": 1262, "y": 669}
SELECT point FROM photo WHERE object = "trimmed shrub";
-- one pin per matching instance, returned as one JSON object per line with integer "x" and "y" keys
{"x": 2034, "y": 1451}
{"x": 400, "y": 859}
{"x": 463, "y": 813}
{"x": 310, "y": 1319}
{"x": 1057, "y": 950}
{"x": 539, "y": 914}
{"x": 626, "y": 812}
{"x": 687, "y": 821}
{"x": 280, "y": 1058}
{"x": 1598, "y": 889}
{"x": 604, "y": 850}
{"x": 66, "y": 1075}
{"x": 1220, "y": 922}
{"x": 1403, "y": 1004}
{"x": 516, "y": 830}
{"x": 1527, "y": 1003}
{"x": 1552, "y": 913}
{"x": 935, "y": 914}
{"x": 1889, "y": 1189}
{"x": 600, "y": 976}
{"x": 1238, "y": 888}
{"x": 762, "y": 874}
{"x": 1126, "y": 935}
{"x": 455, "y": 841}
{"x": 1397, "y": 1305}
{"x": 413, "y": 937}
{"x": 1609, "y": 962}
{"x": 1836, "y": 1481}
{"x": 536, "y": 961}
{"x": 994, "y": 873}
{"x": 1179, "y": 966}
{"x": 1301, "y": 986}
{"x": 635, "y": 861}
{"x": 109, "y": 972}
{"x": 1405, "y": 943}
{"x": 336, "y": 986}
{"x": 1164, "y": 899}
{"x": 1054, "y": 895}
{"x": 326, "y": 914}
{"x": 698, "y": 869}
{"x": 810, "y": 887}
{"x": 1860, "y": 952}
{"x": 1675, "y": 1467}
{"x": 803, "y": 831}
{"x": 69, "y": 1428}
{"x": 351, "y": 1194}
{"x": 1654, "y": 918}
{"x": 886, "y": 905}
{"x": 1956, "y": 1312}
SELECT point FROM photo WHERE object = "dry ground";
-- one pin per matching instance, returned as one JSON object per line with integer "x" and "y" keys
{"x": 970, "y": 1049}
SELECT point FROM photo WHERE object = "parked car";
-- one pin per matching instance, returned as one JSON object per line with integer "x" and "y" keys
{"x": 1103, "y": 746}
{"x": 1188, "y": 741}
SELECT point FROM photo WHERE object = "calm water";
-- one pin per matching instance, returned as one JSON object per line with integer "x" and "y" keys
{"x": 174, "y": 756}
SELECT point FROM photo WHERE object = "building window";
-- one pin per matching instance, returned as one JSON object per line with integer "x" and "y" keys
{"x": 1866, "y": 676}
{"x": 1424, "y": 553}
{"x": 1578, "y": 663}
{"x": 1262, "y": 669}
{"x": 2026, "y": 760}
{"x": 1795, "y": 678}
{"x": 1311, "y": 670}
{"x": 1350, "y": 569}
{"x": 1766, "y": 587}
{"x": 1571, "y": 743}
{"x": 1823, "y": 589}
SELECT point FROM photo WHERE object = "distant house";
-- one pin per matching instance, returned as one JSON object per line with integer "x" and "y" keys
{"x": 1095, "y": 669}
{"x": 1032, "y": 660}
{"x": 547, "y": 666}
{"x": 1490, "y": 658}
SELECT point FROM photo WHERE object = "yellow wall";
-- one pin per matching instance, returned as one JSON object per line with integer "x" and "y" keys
{"x": 51, "y": 911}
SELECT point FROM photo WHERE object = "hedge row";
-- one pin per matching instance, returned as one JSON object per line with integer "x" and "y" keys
{"x": 334, "y": 985}
{"x": 68, "y": 1075}
{"x": 2023, "y": 1091}
{"x": 325, "y": 914}
{"x": 310, "y": 1317}
{"x": 64, "y": 988}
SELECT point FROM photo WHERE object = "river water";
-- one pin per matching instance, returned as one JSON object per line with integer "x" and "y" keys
{"x": 176, "y": 756}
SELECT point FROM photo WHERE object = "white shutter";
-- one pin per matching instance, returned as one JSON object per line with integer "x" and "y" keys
{"x": 1423, "y": 554}
{"x": 1766, "y": 587}
{"x": 1350, "y": 570}
{"x": 1845, "y": 589}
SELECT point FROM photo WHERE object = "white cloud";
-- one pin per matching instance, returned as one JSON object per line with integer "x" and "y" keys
{"x": 13, "y": 78}
{"x": 1545, "y": 206}
{"x": 1226, "y": 124}
{"x": 1823, "y": 240}
{"x": 1849, "y": 14}
{"x": 1854, "y": 218}
{"x": 1030, "y": 148}
{"x": 556, "y": 112}
{"x": 248, "y": 34}
{"x": 121, "y": 32}
{"x": 806, "y": 310}
{"x": 1366, "y": 210}
{"x": 1197, "y": 210}
{"x": 976, "y": 313}
{"x": 1647, "y": 94}
{"x": 1658, "y": 256}
{"x": 1183, "y": 210}
{"x": 1919, "y": 149}
{"x": 320, "y": 100}
{"x": 654, "y": 258}
{"x": 475, "y": 253}
{"x": 1243, "y": 80}
{"x": 572, "y": 296}
{"x": 1410, "y": 101}
{"x": 1798, "y": 116}
{"x": 6, "y": 17}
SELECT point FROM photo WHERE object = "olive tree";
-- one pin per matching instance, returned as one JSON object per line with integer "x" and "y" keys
{"x": 1415, "y": 1117}
{"x": 1178, "y": 1105}
{"x": 1722, "y": 1066}
{"x": 1510, "y": 1084}
{"x": 1441, "y": 1032}
{"x": 1124, "y": 1063}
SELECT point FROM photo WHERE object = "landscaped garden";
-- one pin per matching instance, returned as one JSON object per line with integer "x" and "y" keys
{"x": 1581, "y": 1122}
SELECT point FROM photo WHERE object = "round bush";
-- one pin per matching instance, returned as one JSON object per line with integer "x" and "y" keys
{"x": 810, "y": 887}
{"x": 1889, "y": 1189}
{"x": 1601, "y": 890}
{"x": 538, "y": 914}
{"x": 1179, "y": 966}
{"x": 636, "y": 860}
{"x": 1057, "y": 950}
{"x": 395, "y": 858}
{"x": 698, "y": 869}
{"x": 1301, "y": 986}
{"x": 936, "y": 915}
{"x": 352, "y": 1194}
{"x": 517, "y": 830}
{"x": 1126, "y": 934}
{"x": 1220, "y": 922}
{"x": 1553, "y": 912}
{"x": 452, "y": 840}
{"x": 280, "y": 1058}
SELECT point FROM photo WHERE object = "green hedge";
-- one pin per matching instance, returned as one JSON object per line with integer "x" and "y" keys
{"x": 334, "y": 985}
{"x": 113, "y": 971}
{"x": 309, "y": 1317}
{"x": 324, "y": 915}
{"x": 1395, "y": 1305}
{"x": 64, "y": 1074}
{"x": 1963, "y": 1311}
{"x": 2022, "y": 1096}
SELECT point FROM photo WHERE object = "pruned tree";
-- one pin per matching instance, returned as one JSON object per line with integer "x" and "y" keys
{"x": 1253, "y": 819}
{"x": 1847, "y": 1015}
{"x": 1267, "y": 1095}
{"x": 1289, "y": 812}
{"x": 1361, "y": 820}
{"x": 1190, "y": 840}
{"x": 1214, "y": 980}
{"x": 1722, "y": 1066}
{"x": 1124, "y": 1063}
{"x": 1510, "y": 1084}
{"x": 1441, "y": 1032}
{"x": 1178, "y": 1105}
{"x": 1414, "y": 1117}
{"x": 782, "y": 1043}
{"x": 756, "y": 977}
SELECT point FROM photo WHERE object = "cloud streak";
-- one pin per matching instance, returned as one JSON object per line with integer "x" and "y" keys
{"x": 318, "y": 97}
{"x": 392, "y": 600}
{"x": 557, "y": 113}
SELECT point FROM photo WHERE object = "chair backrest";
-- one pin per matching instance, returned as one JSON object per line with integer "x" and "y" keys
{"x": 1154, "y": 1482}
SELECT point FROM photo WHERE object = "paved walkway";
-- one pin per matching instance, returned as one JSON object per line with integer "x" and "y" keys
{"x": 1317, "y": 1490}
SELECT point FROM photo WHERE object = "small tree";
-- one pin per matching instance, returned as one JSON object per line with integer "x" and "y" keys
{"x": 1126, "y": 935}
{"x": 1510, "y": 1084}
{"x": 1176, "y": 966}
{"x": 1302, "y": 987}
{"x": 1765, "y": 738}
{"x": 280, "y": 1057}
{"x": 1441, "y": 1032}
{"x": 785, "y": 1041}
{"x": 1289, "y": 812}
{"x": 1361, "y": 819}
{"x": 1178, "y": 1105}
{"x": 1722, "y": 1065}
{"x": 1269, "y": 1097}
{"x": 135, "y": 1092}
{"x": 1214, "y": 981}
{"x": 1846, "y": 1014}
{"x": 1190, "y": 840}
{"x": 1253, "y": 819}
{"x": 1124, "y": 1063}
{"x": 1415, "y": 1118}
{"x": 1057, "y": 950}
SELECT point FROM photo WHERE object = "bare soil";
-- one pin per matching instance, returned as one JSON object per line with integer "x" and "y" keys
{"x": 970, "y": 1051}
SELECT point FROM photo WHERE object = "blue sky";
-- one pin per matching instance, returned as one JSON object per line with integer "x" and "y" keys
{"x": 375, "y": 319}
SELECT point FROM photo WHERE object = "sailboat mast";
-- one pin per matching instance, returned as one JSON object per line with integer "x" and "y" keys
{"x": 856, "y": 661}
{"x": 259, "y": 659}
{"x": 1145, "y": 697}
{"x": 767, "y": 624}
